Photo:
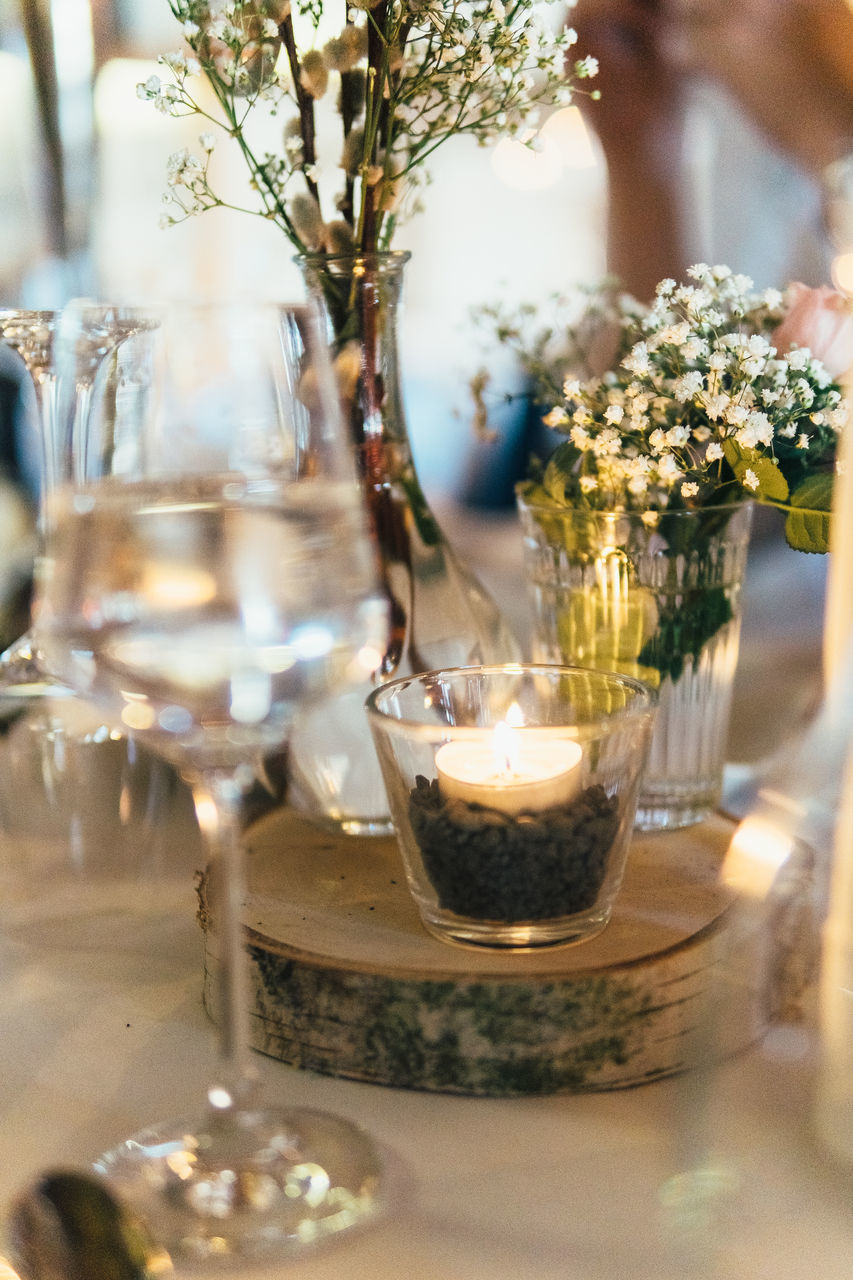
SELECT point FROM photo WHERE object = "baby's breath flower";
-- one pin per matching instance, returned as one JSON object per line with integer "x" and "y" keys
{"x": 697, "y": 405}
{"x": 587, "y": 67}
{"x": 735, "y": 414}
{"x": 638, "y": 360}
{"x": 677, "y": 436}
{"x": 556, "y": 417}
{"x": 687, "y": 386}
{"x": 150, "y": 88}
{"x": 669, "y": 470}
{"x": 481, "y": 67}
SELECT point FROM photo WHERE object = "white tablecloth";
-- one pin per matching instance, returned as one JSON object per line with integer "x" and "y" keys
{"x": 102, "y": 1031}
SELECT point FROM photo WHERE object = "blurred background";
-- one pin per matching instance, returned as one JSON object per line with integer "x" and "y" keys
{"x": 724, "y": 133}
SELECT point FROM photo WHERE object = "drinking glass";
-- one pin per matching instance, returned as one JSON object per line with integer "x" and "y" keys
{"x": 100, "y": 799}
{"x": 208, "y": 572}
{"x": 31, "y": 335}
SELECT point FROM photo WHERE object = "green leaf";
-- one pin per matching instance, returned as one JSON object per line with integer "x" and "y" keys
{"x": 772, "y": 484}
{"x": 684, "y": 629}
{"x": 807, "y": 525}
{"x": 558, "y": 472}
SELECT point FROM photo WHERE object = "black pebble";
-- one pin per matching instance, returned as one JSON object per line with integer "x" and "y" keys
{"x": 488, "y": 866}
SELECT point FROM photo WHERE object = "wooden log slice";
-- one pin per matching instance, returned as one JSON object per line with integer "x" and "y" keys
{"x": 346, "y": 981}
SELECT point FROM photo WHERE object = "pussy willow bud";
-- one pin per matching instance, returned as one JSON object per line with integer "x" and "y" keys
{"x": 338, "y": 237}
{"x": 348, "y": 370}
{"x": 342, "y": 52}
{"x": 352, "y": 154}
{"x": 294, "y": 144}
{"x": 307, "y": 220}
{"x": 351, "y": 99}
{"x": 314, "y": 76}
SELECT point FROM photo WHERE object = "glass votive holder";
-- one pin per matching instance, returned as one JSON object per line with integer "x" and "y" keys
{"x": 513, "y": 791}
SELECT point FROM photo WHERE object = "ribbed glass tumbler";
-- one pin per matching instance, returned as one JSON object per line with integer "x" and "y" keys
{"x": 657, "y": 597}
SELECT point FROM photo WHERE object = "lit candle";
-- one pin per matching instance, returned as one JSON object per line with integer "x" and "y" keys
{"x": 512, "y": 770}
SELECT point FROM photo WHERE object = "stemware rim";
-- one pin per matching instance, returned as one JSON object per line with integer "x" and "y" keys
{"x": 164, "y": 305}
{"x": 316, "y": 257}
{"x": 35, "y": 313}
{"x": 642, "y": 705}
{"x": 639, "y": 513}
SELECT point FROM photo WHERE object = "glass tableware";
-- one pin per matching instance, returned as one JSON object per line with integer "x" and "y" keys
{"x": 209, "y": 571}
{"x": 95, "y": 801}
{"x": 31, "y": 335}
{"x": 513, "y": 790}
{"x": 659, "y": 601}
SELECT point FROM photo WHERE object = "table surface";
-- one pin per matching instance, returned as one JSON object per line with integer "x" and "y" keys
{"x": 102, "y": 1031}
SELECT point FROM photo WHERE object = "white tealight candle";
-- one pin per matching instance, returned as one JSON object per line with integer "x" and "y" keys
{"x": 512, "y": 770}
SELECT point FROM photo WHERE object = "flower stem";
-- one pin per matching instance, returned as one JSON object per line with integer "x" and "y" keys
{"x": 304, "y": 102}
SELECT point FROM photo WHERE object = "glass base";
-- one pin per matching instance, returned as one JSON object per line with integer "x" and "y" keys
{"x": 366, "y": 827}
{"x": 527, "y": 936}
{"x": 333, "y": 773}
{"x": 22, "y": 674}
{"x": 352, "y": 825}
{"x": 246, "y": 1184}
{"x": 670, "y": 809}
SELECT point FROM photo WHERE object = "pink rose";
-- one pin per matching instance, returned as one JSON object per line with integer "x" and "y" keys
{"x": 821, "y": 320}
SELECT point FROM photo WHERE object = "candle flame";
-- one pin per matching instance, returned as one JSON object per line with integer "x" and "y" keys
{"x": 506, "y": 748}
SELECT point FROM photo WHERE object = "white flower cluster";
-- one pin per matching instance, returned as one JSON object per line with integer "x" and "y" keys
{"x": 699, "y": 408}
{"x": 408, "y": 75}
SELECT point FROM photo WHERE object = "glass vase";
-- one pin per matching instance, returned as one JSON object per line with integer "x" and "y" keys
{"x": 441, "y": 616}
{"x": 657, "y": 597}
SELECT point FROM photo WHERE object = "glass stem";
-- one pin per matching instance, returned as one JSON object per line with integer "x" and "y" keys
{"x": 49, "y": 445}
{"x": 217, "y": 795}
{"x": 20, "y": 668}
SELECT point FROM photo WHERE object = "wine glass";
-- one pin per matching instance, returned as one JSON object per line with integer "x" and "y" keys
{"x": 100, "y": 797}
{"x": 31, "y": 335}
{"x": 209, "y": 571}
